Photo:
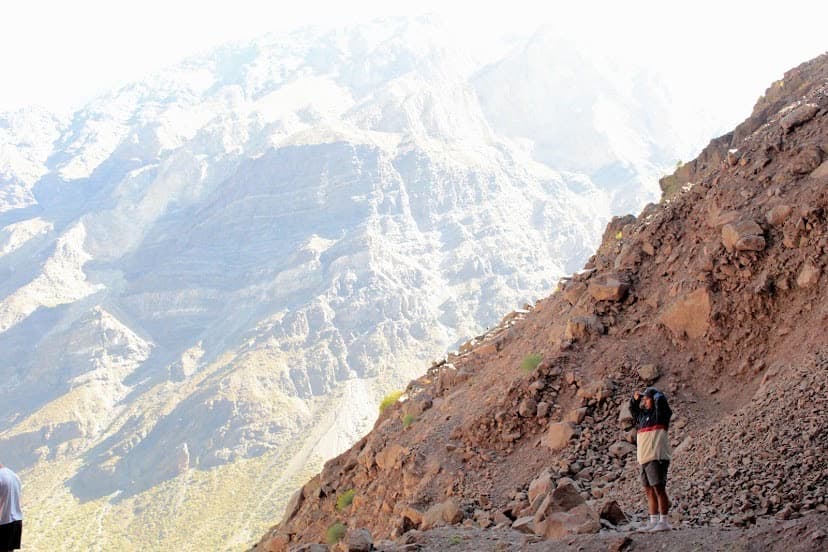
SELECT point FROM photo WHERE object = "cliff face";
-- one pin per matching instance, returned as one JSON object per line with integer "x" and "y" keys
{"x": 717, "y": 295}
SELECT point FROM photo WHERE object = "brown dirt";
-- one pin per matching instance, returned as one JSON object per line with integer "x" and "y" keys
{"x": 733, "y": 313}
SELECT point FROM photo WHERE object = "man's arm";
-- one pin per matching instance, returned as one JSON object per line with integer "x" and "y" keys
{"x": 662, "y": 409}
{"x": 634, "y": 408}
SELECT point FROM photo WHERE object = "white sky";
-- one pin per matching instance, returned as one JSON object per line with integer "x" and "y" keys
{"x": 60, "y": 54}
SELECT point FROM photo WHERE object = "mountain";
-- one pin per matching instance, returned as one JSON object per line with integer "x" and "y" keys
{"x": 210, "y": 278}
{"x": 717, "y": 296}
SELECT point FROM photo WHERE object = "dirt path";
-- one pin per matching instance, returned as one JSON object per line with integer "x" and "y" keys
{"x": 806, "y": 534}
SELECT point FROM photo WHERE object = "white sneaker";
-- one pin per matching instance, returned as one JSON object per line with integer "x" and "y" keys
{"x": 660, "y": 526}
{"x": 647, "y": 528}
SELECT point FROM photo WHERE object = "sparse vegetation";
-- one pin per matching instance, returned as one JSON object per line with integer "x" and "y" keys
{"x": 454, "y": 540}
{"x": 408, "y": 419}
{"x": 530, "y": 362}
{"x": 335, "y": 533}
{"x": 345, "y": 499}
{"x": 389, "y": 399}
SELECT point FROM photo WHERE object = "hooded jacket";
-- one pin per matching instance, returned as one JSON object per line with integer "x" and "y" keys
{"x": 653, "y": 443}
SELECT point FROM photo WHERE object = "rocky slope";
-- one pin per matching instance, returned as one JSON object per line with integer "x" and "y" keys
{"x": 717, "y": 295}
{"x": 209, "y": 279}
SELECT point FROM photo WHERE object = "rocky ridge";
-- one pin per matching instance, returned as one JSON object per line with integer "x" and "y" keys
{"x": 716, "y": 295}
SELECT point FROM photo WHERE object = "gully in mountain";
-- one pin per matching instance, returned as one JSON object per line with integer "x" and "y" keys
{"x": 11, "y": 517}
{"x": 652, "y": 416}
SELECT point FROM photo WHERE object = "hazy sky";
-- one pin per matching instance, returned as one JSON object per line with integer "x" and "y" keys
{"x": 59, "y": 54}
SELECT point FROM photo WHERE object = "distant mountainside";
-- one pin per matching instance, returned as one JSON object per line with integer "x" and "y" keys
{"x": 525, "y": 440}
{"x": 211, "y": 278}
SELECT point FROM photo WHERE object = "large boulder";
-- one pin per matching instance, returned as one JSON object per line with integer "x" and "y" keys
{"x": 612, "y": 512}
{"x": 540, "y": 486}
{"x": 573, "y": 291}
{"x": 608, "y": 288}
{"x": 798, "y": 116}
{"x": 744, "y": 235}
{"x": 447, "y": 512}
{"x": 558, "y": 435}
{"x": 689, "y": 315}
{"x": 565, "y": 512}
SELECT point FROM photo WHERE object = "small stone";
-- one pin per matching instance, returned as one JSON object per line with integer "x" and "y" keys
{"x": 621, "y": 449}
{"x": 745, "y": 235}
{"x": 778, "y": 215}
{"x": 624, "y": 415}
{"x": 543, "y": 409}
{"x": 619, "y": 544}
{"x": 806, "y": 161}
{"x": 648, "y": 372}
{"x": 558, "y": 435}
{"x": 808, "y": 275}
{"x": 576, "y": 416}
{"x": 608, "y": 288}
{"x": 539, "y": 486}
{"x": 785, "y": 513}
{"x": 581, "y": 328}
{"x": 528, "y": 408}
{"x": 524, "y": 525}
{"x": 360, "y": 540}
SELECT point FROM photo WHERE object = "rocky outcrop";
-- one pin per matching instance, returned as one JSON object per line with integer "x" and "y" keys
{"x": 688, "y": 317}
{"x": 730, "y": 331}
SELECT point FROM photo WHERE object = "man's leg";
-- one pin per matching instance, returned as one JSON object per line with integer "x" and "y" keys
{"x": 652, "y": 500}
{"x": 660, "y": 492}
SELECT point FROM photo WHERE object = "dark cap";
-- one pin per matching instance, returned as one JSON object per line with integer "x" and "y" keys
{"x": 650, "y": 392}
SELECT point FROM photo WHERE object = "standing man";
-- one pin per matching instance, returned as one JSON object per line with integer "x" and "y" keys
{"x": 11, "y": 518}
{"x": 652, "y": 416}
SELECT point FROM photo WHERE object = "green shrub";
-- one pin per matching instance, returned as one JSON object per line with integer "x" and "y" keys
{"x": 335, "y": 533}
{"x": 454, "y": 540}
{"x": 389, "y": 399}
{"x": 408, "y": 419}
{"x": 531, "y": 362}
{"x": 344, "y": 500}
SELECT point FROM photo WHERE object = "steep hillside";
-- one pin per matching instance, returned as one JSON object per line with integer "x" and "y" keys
{"x": 210, "y": 278}
{"x": 718, "y": 295}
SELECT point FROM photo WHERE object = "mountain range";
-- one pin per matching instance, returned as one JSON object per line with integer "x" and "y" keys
{"x": 211, "y": 277}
